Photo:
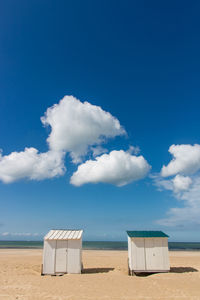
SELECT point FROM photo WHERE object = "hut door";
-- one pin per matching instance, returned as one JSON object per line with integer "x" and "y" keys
{"x": 74, "y": 258}
{"x": 61, "y": 257}
{"x": 154, "y": 257}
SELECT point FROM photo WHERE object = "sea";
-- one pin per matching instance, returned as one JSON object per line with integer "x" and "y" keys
{"x": 98, "y": 245}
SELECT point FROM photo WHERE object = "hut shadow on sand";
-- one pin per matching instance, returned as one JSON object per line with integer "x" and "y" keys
{"x": 182, "y": 270}
{"x": 96, "y": 270}
{"x": 172, "y": 270}
{"x": 144, "y": 274}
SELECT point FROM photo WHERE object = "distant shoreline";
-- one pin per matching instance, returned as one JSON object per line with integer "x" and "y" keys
{"x": 98, "y": 245}
{"x": 89, "y": 249}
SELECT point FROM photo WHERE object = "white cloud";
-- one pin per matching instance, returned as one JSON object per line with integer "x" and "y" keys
{"x": 20, "y": 234}
{"x": 189, "y": 214}
{"x": 76, "y": 126}
{"x": 181, "y": 183}
{"x": 5, "y": 233}
{"x": 31, "y": 164}
{"x": 186, "y": 160}
{"x": 134, "y": 150}
{"x": 117, "y": 167}
{"x": 161, "y": 183}
{"x": 98, "y": 150}
{"x": 177, "y": 184}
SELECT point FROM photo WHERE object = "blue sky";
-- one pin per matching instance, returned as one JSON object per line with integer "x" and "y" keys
{"x": 137, "y": 60}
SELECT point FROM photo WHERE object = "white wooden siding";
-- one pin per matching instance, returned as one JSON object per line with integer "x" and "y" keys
{"x": 130, "y": 260}
{"x": 62, "y": 252}
{"x": 74, "y": 256}
{"x": 154, "y": 254}
{"x": 166, "y": 264}
{"x": 49, "y": 257}
{"x": 61, "y": 257}
{"x": 148, "y": 254}
{"x": 138, "y": 254}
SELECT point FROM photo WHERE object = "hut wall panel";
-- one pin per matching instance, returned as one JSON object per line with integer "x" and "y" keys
{"x": 130, "y": 258}
{"x": 74, "y": 256}
{"x": 138, "y": 254}
{"x": 158, "y": 254}
{"x": 49, "y": 257}
{"x": 166, "y": 264}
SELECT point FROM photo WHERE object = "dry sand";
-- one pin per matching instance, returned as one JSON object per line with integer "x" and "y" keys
{"x": 104, "y": 278}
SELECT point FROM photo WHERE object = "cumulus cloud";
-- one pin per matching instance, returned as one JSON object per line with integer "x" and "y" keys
{"x": 188, "y": 214}
{"x": 177, "y": 184}
{"x": 186, "y": 189}
{"x": 76, "y": 126}
{"x": 117, "y": 167}
{"x": 181, "y": 183}
{"x": 80, "y": 129}
{"x": 161, "y": 183}
{"x": 31, "y": 164}
{"x": 186, "y": 160}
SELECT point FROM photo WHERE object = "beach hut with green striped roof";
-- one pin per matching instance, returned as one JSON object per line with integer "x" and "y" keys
{"x": 148, "y": 251}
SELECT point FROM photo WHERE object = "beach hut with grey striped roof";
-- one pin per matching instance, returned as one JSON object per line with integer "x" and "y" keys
{"x": 147, "y": 252}
{"x": 62, "y": 252}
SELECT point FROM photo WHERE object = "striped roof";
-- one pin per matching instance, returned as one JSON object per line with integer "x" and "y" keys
{"x": 60, "y": 234}
{"x": 146, "y": 234}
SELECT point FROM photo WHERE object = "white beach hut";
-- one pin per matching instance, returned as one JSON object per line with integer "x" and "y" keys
{"x": 62, "y": 252}
{"x": 147, "y": 251}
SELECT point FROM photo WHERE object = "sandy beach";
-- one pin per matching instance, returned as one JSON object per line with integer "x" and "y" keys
{"x": 104, "y": 277}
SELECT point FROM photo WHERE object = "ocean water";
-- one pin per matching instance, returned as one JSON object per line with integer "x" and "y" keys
{"x": 97, "y": 245}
